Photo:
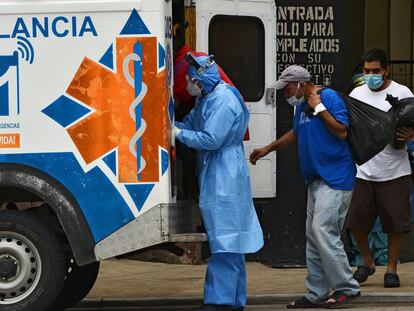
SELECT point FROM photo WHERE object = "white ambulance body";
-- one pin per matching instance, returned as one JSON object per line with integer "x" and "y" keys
{"x": 86, "y": 153}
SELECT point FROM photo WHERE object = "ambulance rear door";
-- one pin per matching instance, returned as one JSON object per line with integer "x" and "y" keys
{"x": 242, "y": 37}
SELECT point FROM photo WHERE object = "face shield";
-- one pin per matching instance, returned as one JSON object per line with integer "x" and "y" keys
{"x": 201, "y": 69}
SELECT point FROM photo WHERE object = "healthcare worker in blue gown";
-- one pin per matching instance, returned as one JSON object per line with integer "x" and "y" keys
{"x": 215, "y": 127}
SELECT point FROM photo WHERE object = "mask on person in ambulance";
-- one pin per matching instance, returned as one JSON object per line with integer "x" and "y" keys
{"x": 193, "y": 87}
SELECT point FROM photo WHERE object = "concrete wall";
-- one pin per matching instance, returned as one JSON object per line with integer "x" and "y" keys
{"x": 401, "y": 40}
{"x": 401, "y": 29}
{"x": 355, "y": 34}
{"x": 389, "y": 24}
{"x": 377, "y": 21}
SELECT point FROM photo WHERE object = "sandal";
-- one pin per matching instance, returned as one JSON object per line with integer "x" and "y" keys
{"x": 363, "y": 272}
{"x": 339, "y": 298}
{"x": 391, "y": 279}
{"x": 302, "y": 303}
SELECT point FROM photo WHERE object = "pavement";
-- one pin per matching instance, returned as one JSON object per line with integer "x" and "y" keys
{"x": 135, "y": 285}
{"x": 274, "y": 307}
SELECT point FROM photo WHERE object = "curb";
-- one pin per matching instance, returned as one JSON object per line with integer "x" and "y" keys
{"x": 372, "y": 297}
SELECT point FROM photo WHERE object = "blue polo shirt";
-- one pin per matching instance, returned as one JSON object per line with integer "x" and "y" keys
{"x": 322, "y": 154}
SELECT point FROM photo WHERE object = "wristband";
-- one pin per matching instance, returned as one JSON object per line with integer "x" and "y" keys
{"x": 318, "y": 109}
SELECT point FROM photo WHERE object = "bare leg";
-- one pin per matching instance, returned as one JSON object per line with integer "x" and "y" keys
{"x": 394, "y": 249}
{"x": 362, "y": 241}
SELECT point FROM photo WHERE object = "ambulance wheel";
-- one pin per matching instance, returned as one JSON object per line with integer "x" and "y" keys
{"x": 78, "y": 283}
{"x": 32, "y": 263}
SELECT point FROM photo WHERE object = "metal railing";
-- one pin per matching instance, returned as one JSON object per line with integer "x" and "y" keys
{"x": 402, "y": 71}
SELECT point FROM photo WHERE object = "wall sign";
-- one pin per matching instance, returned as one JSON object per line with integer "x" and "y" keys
{"x": 312, "y": 34}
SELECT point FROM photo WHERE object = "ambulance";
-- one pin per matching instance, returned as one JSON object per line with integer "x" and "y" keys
{"x": 87, "y": 159}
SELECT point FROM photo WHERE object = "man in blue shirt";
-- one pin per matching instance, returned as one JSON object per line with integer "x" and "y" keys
{"x": 320, "y": 130}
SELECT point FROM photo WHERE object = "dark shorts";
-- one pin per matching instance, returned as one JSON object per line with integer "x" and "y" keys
{"x": 388, "y": 199}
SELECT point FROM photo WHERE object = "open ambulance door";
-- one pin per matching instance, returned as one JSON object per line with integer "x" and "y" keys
{"x": 242, "y": 37}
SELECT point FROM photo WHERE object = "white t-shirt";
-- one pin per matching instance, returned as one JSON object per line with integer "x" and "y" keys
{"x": 390, "y": 163}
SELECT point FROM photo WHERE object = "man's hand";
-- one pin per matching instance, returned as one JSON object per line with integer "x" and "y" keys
{"x": 257, "y": 154}
{"x": 405, "y": 134}
{"x": 314, "y": 100}
{"x": 288, "y": 139}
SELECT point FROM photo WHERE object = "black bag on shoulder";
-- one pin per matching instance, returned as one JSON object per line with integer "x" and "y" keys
{"x": 370, "y": 129}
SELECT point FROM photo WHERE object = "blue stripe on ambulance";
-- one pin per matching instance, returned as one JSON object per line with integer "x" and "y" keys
{"x": 104, "y": 208}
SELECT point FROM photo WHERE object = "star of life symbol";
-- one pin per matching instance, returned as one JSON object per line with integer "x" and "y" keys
{"x": 130, "y": 109}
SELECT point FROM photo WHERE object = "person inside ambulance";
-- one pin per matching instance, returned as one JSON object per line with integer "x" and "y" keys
{"x": 183, "y": 103}
{"x": 183, "y": 100}
{"x": 215, "y": 128}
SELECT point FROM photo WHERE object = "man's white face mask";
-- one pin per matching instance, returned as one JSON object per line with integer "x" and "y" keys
{"x": 293, "y": 100}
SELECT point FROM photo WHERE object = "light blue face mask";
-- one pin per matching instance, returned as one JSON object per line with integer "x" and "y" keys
{"x": 374, "y": 81}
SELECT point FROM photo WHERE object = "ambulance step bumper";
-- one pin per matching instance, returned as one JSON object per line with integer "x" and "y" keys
{"x": 187, "y": 237}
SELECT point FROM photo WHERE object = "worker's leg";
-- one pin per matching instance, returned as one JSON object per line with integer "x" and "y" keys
{"x": 241, "y": 282}
{"x": 222, "y": 279}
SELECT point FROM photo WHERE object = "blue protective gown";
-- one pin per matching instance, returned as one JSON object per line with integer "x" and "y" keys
{"x": 216, "y": 127}
{"x": 226, "y": 280}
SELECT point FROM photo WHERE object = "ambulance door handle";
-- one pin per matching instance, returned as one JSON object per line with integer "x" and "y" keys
{"x": 271, "y": 96}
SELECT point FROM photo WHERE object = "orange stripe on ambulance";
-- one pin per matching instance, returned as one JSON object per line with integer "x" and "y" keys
{"x": 10, "y": 140}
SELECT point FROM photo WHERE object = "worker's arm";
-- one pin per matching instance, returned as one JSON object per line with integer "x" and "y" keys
{"x": 334, "y": 126}
{"x": 217, "y": 126}
{"x": 286, "y": 140}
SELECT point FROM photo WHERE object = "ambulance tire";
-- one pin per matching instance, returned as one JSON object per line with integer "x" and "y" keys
{"x": 78, "y": 283}
{"x": 34, "y": 249}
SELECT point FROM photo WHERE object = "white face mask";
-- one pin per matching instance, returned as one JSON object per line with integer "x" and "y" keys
{"x": 192, "y": 88}
{"x": 293, "y": 100}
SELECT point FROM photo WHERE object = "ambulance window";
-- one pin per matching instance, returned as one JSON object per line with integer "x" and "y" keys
{"x": 237, "y": 42}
